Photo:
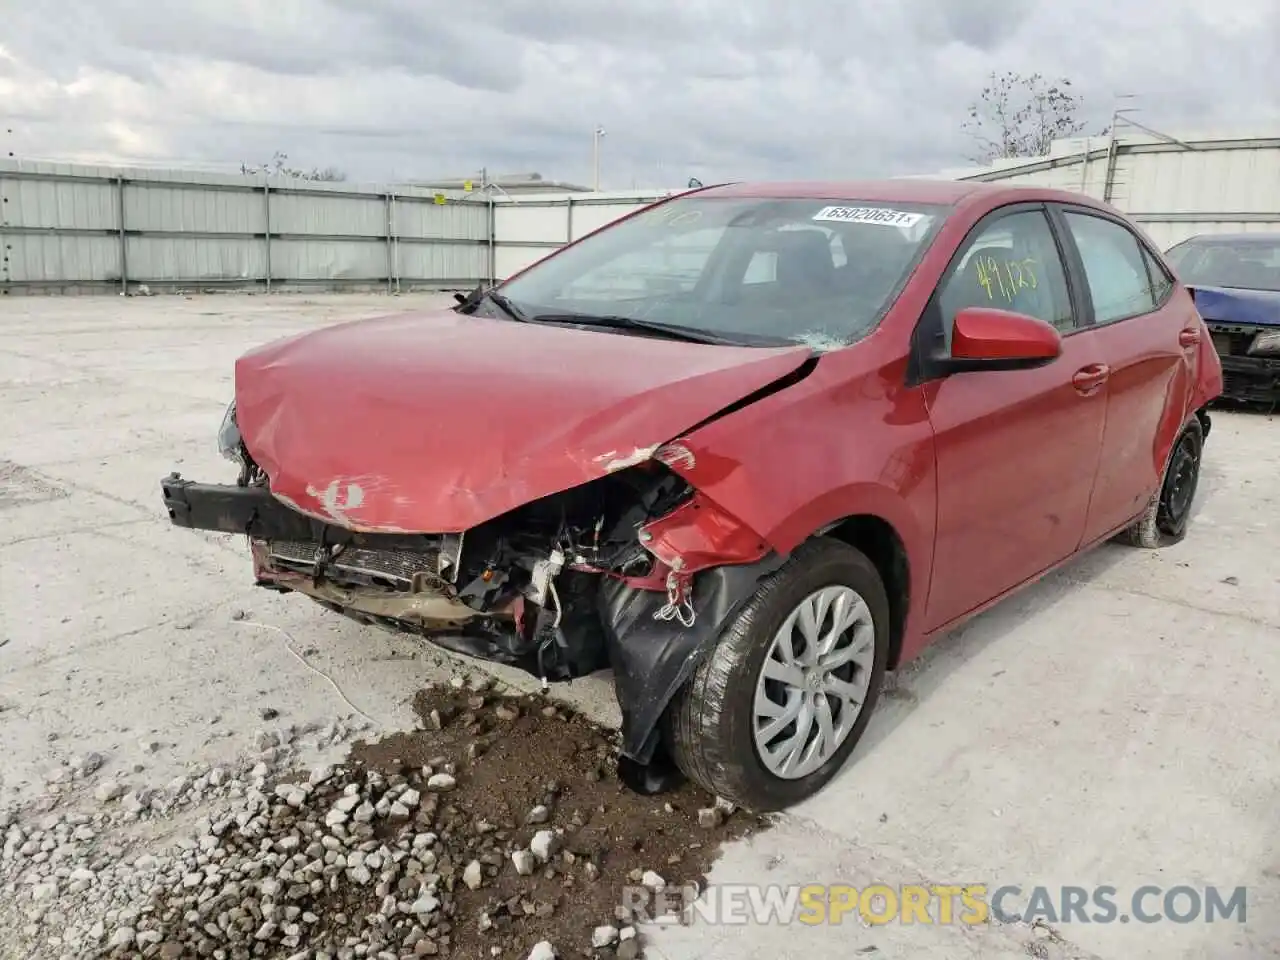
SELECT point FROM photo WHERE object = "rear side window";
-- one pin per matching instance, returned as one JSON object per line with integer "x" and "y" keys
{"x": 1115, "y": 266}
{"x": 1161, "y": 282}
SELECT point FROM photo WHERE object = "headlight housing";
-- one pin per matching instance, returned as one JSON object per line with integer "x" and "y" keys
{"x": 229, "y": 442}
{"x": 1265, "y": 344}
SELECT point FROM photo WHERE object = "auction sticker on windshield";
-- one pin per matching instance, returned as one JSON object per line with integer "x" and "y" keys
{"x": 890, "y": 218}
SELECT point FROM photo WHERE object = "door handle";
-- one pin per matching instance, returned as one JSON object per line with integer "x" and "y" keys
{"x": 1088, "y": 379}
{"x": 1189, "y": 337}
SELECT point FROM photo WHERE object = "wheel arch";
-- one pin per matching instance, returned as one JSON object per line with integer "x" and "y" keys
{"x": 883, "y": 546}
{"x": 1202, "y": 414}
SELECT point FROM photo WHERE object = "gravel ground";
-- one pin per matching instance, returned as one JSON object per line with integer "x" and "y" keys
{"x": 495, "y": 830}
{"x": 1112, "y": 724}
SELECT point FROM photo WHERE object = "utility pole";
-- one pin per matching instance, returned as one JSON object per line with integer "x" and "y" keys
{"x": 595, "y": 154}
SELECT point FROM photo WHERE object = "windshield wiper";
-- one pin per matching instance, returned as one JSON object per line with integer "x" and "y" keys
{"x": 467, "y": 302}
{"x": 668, "y": 330}
{"x": 507, "y": 307}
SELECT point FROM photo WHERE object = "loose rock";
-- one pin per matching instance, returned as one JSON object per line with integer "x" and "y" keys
{"x": 604, "y": 937}
{"x": 441, "y": 782}
{"x": 107, "y": 791}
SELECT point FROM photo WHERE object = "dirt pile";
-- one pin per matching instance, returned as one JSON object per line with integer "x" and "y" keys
{"x": 499, "y": 830}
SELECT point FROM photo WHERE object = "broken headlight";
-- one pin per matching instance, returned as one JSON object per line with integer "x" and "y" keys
{"x": 229, "y": 444}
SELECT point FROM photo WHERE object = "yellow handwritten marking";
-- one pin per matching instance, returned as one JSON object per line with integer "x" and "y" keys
{"x": 1007, "y": 278}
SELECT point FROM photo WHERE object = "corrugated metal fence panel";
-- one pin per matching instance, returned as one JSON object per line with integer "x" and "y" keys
{"x": 58, "y": 258}
{"x": 528, "y": 230}
{"x": 511, "y": 260}
{"x": 531, "y": 222}
{"x": 329, "y": 259}
{"x": 442, "y": 262}
{"x": 414, "y": 217}
{"x": 50, "y": 206}
{"x": 1224, "y": 186}
{"x": 187, "y": 227}
{"x": 156, "y": 259}
{"x": 67, "y": 204}
{"x": 151, "y": 206}
{"x": 1203, "y": 181}
{"x": 328, "y": 215}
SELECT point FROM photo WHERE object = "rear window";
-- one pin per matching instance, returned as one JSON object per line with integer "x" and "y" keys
{"x": 1247, "y": 264}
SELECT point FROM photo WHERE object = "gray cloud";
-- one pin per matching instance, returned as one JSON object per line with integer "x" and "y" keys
{"x": 707, "y": 88}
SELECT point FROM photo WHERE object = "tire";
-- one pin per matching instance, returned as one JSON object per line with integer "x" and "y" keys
{"x": 710, "y": 725}
{"x": 1164, "y": 522}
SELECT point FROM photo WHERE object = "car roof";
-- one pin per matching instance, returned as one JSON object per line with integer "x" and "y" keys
{"x": 906, "y": 190}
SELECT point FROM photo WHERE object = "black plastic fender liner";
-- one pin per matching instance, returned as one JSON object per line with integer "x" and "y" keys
{"x": 651, "y": 658}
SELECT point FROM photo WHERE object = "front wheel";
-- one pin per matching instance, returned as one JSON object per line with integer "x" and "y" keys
{"x": 1168, "y": 512}
{"x": 774, "y": 710}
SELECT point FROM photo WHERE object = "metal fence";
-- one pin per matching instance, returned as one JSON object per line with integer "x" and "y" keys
{"x": 1174, "y": 188}
{"x": 528, "y": 228}
{"x": 77, "y": 229}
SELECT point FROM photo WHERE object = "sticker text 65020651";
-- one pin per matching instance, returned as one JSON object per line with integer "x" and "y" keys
{"x": 880, "y": 215}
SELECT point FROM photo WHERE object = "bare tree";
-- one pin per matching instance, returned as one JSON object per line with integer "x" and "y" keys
{"x": 1020, "y": 116}
{"x": 279, "y": 167}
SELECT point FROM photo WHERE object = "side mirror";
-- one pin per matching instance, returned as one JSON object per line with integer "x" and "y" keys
{"x": 983, "y": 338}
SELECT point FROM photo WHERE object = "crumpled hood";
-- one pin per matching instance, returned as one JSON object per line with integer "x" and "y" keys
{"x": 1237, "y": 305}
{"x": 437, "y": 422}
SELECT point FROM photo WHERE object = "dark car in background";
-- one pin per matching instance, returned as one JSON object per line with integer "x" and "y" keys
{"x": 1235, "y": 280}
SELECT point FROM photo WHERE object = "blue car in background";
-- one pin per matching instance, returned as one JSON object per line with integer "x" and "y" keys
{"x": 1235, "y": 280}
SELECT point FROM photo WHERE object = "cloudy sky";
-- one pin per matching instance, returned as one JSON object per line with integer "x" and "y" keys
{"x": 719, "y": 89}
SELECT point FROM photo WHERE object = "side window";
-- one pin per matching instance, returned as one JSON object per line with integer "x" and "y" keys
{"x": 1010, "y": 263}
{"x": 1114, "y": 267}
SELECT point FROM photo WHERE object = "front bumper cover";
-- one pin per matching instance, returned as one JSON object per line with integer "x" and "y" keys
{"x": 254, "y": 512}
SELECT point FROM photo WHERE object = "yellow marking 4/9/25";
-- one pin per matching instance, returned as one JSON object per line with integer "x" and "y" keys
{"x": 1006, "y": 278}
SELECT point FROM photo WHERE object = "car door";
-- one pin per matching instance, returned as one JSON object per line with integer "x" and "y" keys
{"x": 1016, "y": 450}
{"x": 1149, "y": 342}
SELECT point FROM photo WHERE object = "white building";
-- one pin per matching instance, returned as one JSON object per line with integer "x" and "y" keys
{"x": 1175, "y": 186}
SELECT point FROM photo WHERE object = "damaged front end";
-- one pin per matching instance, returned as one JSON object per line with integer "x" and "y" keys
{"x": 1250, "y": 357}
{"x": 635, "y": 571}
{"x": 1245, "y": 328}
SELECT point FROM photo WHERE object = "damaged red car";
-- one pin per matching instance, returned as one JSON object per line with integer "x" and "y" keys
{"x": 749, "y": 447}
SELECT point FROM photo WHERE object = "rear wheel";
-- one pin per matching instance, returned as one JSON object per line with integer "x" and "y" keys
{"x": 773, "y": 712}
{"x": 1168, "y": 512}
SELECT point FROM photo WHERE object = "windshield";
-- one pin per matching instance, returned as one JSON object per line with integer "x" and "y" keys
{"x": 752, "y": 271}
{"x": 1250, "y": 264}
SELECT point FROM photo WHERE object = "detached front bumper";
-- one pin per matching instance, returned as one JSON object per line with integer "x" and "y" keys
{"x": 254, "y": 512}
{"x": 232, "y": 509}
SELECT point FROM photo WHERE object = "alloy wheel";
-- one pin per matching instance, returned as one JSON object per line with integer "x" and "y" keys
{"x": 813, "y": 682}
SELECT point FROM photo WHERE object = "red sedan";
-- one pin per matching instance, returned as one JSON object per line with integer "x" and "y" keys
{"x": 749, "y": 447}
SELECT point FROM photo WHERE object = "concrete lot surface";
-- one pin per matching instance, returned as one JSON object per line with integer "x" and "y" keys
{"x": 1115, "y": 724}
